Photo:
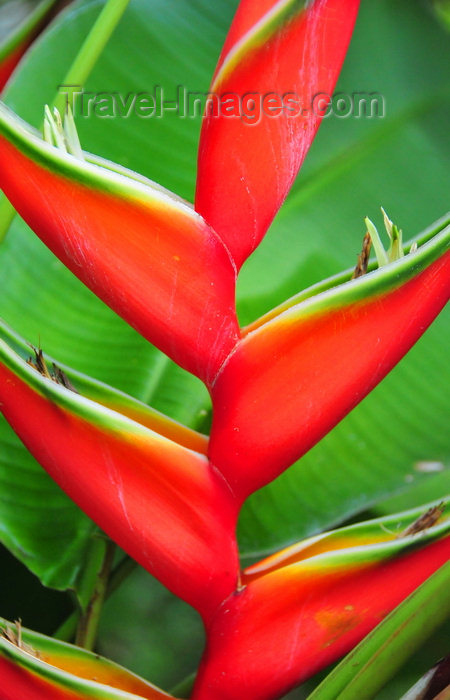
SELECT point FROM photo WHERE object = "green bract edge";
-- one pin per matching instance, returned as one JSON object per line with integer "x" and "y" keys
{"x": 280, "y": 14}
{"x": 52, "y": 645}
{"x": 402, "y": 519}
{"x": 137, "y": 177}
{"x": 89, "y": 689}
{"x": 26, "y": 27}
{"x": 345, "y": 275}
{"x": 87, "y": 409}
{"x": 92, "y": 388}
{"x": 368, "y": 528}
{"x": 93, "y": 172}
{"x": 363, "y": 553}
{"x": 339, "y": 291}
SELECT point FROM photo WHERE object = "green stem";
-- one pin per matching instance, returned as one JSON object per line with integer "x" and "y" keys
{"x": 76, "y": 76}
{"x": 67, "y": 630}
{"x": 120, "y": 573}
{"x": 92, "y": 48}
{"x": 184, "y": 689}
{"x": 7, "y": 214}
{"x": 89, "y": 621}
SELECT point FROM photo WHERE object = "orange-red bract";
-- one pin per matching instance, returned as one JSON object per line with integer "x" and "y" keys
{"x": 159, "y": 500}
{"x": 278, "y": 58}
{"x": 144, "y": 252}
{"x": 291, "y": 379}
{"x": 35, "y": 667}
{"x": 288, "y": 624}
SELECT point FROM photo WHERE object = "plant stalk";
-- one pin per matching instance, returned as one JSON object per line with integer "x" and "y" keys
{"x": 184, "y": 688}
{"x": 67, "y": 630}
{"x": 89, "y": 620}
{"x": 92, "y": 49}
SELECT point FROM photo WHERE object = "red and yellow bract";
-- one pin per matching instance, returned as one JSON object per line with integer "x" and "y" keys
{"x": 168, "y": 496}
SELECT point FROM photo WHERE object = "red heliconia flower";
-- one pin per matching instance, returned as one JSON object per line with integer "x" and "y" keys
{"x": 140, "y": 248}
{"x": 301, "y": 368}
{"x": 306, "y": 606}
{"x": 142, "y": 477}
{"x": 281, "y": 55}
{"x": 168, "y": 495}
{"x": 34, "y": 667}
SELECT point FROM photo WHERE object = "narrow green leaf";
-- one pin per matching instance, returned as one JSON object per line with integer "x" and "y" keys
{"x": 93, "y": 47}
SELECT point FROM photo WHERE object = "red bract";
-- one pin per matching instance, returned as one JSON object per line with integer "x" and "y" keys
{"x": 45, "y": 669}
{"x": 176, "y": 287}
{"x": 276, "y": 56}
{"x": 156, "y": 497}
{"x": 295, "y": 374}
{"x": 287, "y": 623}
{"x": 165, "y": 493}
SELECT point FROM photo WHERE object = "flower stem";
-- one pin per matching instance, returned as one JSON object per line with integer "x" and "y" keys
{"x": 92, "y": 48}
{"x": 7, "y": 214}
{"x": 89, "y": 620}
{"x": 184, "y": 688}
{"x": 67, "y": 630}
